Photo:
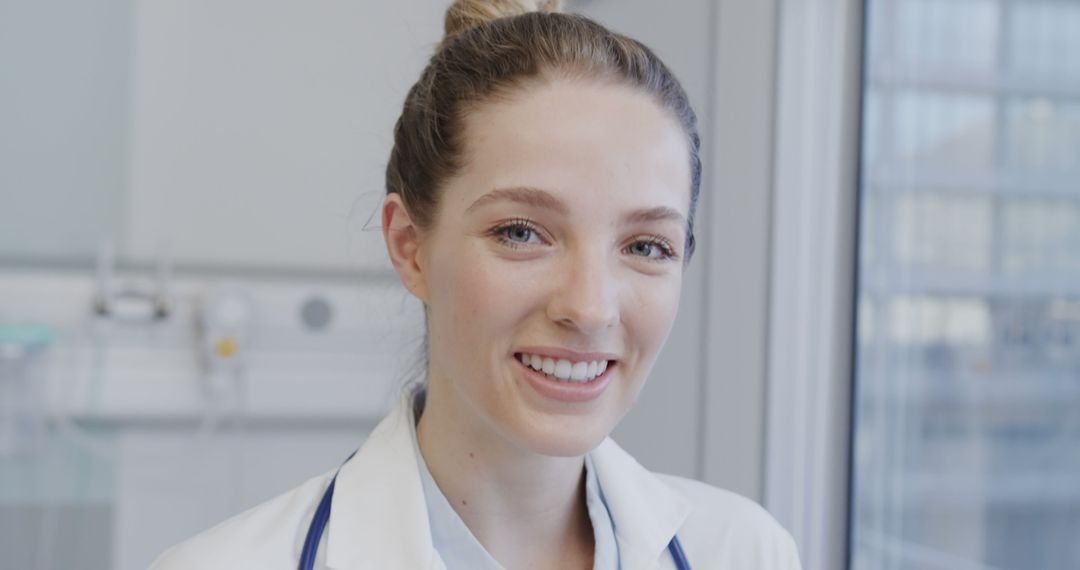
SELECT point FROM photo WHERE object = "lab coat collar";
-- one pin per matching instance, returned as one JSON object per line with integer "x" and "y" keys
{"x": 379, "y": 519}
{"x": 646, "y": 511}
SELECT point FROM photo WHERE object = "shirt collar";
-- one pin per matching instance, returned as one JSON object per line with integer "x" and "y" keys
{"x": 456, "y": 545}
{"x": 606, "y": 555}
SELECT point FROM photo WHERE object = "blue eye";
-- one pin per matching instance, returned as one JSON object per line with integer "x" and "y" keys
{"x": 654, "y": 248}
{"x": 643, "y": 248}
{"x": 517, "y": 233}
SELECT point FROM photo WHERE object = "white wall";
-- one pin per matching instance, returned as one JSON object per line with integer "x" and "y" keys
{"x": 267, "y": 125}
{"x": 740, "y": 150}
{"x": 64, "y": 105}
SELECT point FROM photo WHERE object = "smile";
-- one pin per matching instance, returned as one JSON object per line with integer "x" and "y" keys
{"x": 563, "y": 369}
{"x": 595, "y": 375}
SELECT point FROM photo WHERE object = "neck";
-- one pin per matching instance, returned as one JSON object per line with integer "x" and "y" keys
{"x": 520, "y": 505}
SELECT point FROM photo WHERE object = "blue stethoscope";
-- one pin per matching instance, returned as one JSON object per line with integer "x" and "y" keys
{"x": 322, "y": 516}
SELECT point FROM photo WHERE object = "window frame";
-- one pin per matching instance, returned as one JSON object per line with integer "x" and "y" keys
{"x": 818, "y": 114}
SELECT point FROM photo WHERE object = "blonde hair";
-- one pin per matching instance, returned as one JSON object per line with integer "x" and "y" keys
{"x": 493, "y": 49}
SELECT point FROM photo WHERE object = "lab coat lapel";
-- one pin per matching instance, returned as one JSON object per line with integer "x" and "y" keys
{"x": 646, "y": 512}
{"x": 378, "y": 518}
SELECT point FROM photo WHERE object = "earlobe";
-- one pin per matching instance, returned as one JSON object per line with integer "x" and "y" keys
{"x": 403, "y": 245}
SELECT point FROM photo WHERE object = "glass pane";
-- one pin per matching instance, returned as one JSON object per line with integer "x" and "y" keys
{"x": 1044, "y": 135}
{"x": 942, "y": 232}
{"x": 942, "y": 129}
{"x": 937, "y": 33}
{"x": 966, "y": 441}
{"x": 1042, "y": 238}
{"x": 1044, "y": 40}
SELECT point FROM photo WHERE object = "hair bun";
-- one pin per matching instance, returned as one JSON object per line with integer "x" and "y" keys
{"x": 465, "y": 14}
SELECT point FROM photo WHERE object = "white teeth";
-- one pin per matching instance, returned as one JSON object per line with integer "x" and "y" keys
{"x": 563, "y": 369}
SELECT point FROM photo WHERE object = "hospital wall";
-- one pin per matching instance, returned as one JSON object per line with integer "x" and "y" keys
{"x": 239, "y": 147}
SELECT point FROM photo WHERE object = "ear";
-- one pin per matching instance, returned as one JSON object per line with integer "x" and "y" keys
{"x": 403, "y": 245}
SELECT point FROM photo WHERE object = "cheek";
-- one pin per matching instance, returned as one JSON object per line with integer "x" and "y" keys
{"x": 477, "y": 302}
{"x": 652, "y": 315}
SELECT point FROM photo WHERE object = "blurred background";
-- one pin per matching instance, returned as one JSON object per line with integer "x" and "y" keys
{"x": 879, "y": 337}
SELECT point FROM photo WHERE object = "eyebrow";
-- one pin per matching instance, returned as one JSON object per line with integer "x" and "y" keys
{"x": 541, "y": 199}
{"x": 657, "y": 214}
{"x": 522, "y": 195}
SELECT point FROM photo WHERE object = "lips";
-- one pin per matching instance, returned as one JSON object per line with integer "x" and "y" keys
{"x": 567, "y": 391}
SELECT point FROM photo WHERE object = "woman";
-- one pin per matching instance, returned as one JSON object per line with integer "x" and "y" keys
{"x": 540, "y": 202}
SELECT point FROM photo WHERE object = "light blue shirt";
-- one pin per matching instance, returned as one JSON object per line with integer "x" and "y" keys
{"x": 458, "y": 547}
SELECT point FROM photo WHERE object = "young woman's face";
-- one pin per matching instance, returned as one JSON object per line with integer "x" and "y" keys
{"x": 561, "y": 239}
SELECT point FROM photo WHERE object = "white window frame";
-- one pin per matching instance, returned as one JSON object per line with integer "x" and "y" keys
{"x": 812, "y": 277}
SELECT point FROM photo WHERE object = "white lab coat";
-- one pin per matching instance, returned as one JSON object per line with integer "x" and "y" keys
{"x": 379, "y": 519}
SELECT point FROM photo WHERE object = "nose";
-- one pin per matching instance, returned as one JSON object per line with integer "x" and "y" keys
{"x": 585, "y": 293}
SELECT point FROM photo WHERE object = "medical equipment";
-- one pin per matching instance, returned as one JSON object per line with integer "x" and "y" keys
{"x": 322, "y": 516}
{"x": 22, "y": 394}
{"x": 225, "y": 322}
{"x": 133, "y": 301}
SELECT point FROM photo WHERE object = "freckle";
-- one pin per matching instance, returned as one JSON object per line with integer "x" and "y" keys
{"x": 464, "y": 502}
{"x": 471, "y": 454}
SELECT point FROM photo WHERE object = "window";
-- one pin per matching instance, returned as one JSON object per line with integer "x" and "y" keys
{"x": 966, "y": 416}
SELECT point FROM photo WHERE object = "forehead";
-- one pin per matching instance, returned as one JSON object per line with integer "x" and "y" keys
{"x": 583, "y": 140}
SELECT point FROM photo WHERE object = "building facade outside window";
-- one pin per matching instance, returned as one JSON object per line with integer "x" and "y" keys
{"x": 966, "y": 416}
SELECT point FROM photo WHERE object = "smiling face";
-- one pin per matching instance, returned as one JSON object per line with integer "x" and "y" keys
{"x": 560, "y": 238}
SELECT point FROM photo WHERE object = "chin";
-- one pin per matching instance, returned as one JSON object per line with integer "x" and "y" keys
{"x": 564, "y": 442}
